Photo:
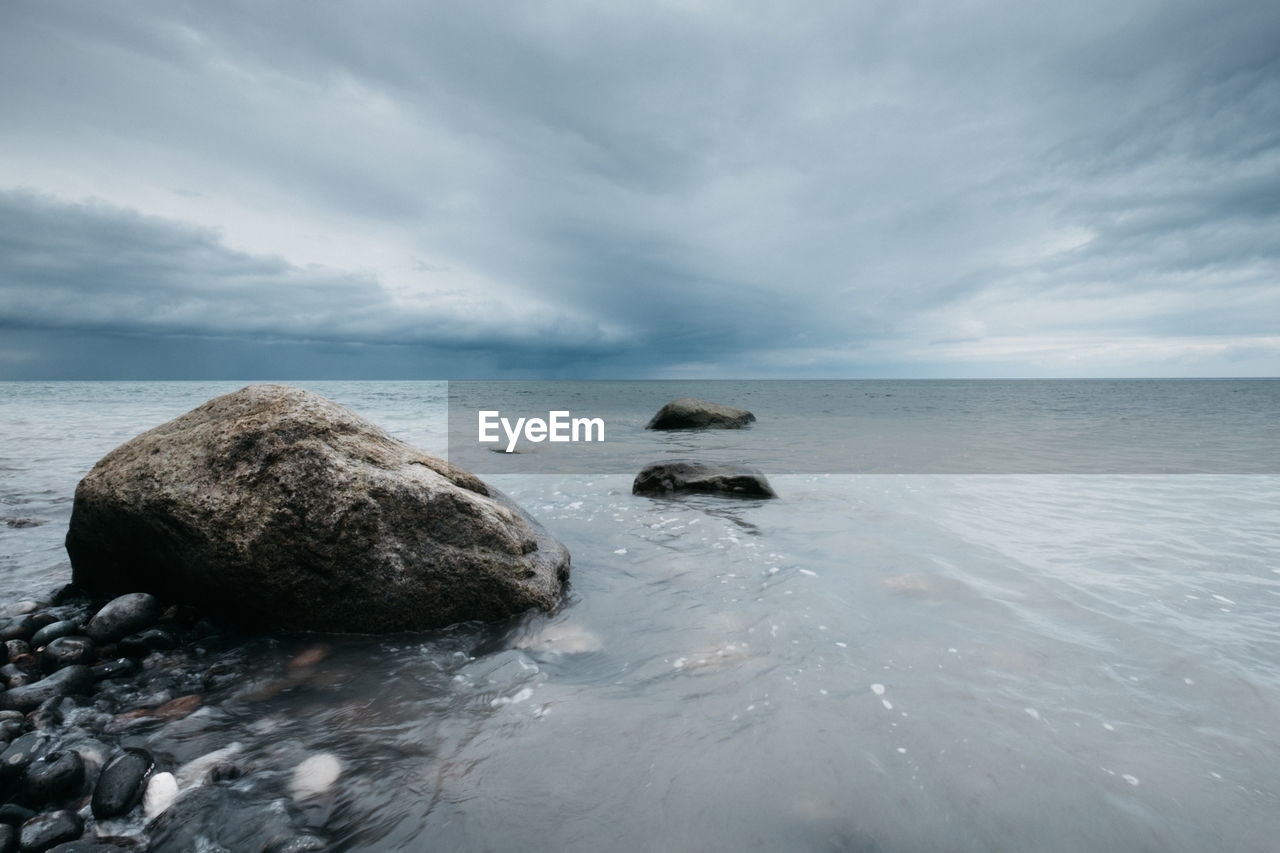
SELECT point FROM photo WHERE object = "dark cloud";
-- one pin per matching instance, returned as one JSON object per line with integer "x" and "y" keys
{"x": 637, "y": 189}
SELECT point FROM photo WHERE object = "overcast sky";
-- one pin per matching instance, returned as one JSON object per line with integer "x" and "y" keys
{"x": 625, "y": 189}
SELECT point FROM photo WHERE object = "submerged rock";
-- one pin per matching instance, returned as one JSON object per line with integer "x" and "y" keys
{"x": 692, "y": 413}
{"x": 666, "y": 478}
{"x": 287, "y": 510}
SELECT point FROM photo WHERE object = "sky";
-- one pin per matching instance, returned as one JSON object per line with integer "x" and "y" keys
{"x": 443, "y": 190}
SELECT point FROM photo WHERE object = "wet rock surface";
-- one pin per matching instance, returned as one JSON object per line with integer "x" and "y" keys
{"x": 75, "y": 777}
{"x": 692, "y": 413}
{"x": 667, "y": 478}
{"x": 251, "y": 503}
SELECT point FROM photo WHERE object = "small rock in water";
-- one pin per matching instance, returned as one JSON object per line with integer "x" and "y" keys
{"x": 692, "y": 413}
{"x": 162, "y": 790}
{"x": 210, "y": 767}
{"x": 68, "y": 681}
{"x": 114, "y": 669}
{"x": 56, "y": 776}
{"x": 49, "y": 829}
{"x": 123, "y": 616}
{"x": 65, "y": 651}
{"x": 54, "y": 630}
{"x": 121, "y": 784}
{"x": 315, "y": 776}
{"x": 665, "y": 478}
{"x": 143, "y": 642}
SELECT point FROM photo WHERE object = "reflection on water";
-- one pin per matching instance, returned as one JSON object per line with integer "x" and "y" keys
{"x": 870, "y": 663}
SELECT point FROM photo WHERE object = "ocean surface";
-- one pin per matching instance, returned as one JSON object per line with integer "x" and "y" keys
{"x": 1067, "y": 640}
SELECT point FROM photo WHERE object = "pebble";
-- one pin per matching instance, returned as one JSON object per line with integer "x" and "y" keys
{"x": 123, "y": 616}
{"x": 49, "y": 829}
{"x": 70, "y": 680}
{"x": 162, "y": 790}
{"x": 19, "y": 628}
{"x": 21, "y": 753}
{"x": 54, "y": 630}
{"x": 65, "y": 651}
{"x": 140, "y": 644}
{"x": 15, "y": 649}
{"x": 14, "y": 676}
{"x": 53, "y": 777}
{"x": 121, "y": 783}
{"x": 210, "y": 767}
{"x": 114, "y": 669}
{"x": 8, "y": 838}
{"x": 12, "y": 814}
{"x": 315, "y": 776}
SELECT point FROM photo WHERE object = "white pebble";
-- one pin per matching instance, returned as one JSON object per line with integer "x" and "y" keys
{"x": 162, "y": 790}
{"x": 315, "y": 775}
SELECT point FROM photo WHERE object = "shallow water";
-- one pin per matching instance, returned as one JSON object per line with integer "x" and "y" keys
{"x": 872, "y": 662}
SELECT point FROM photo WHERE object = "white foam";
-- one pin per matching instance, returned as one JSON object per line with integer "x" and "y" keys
{"x": 620, "y": 551}
{"x": 1032, "y": 713}
{"x": 1131, "y": 779}
{"x": 809, "y": 573}
{"x": 877, "y": 689}
{"x": 196, "y": 771}
{"x": 1223, "y": 599}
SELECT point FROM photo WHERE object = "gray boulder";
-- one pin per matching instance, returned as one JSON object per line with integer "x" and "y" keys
{"x": 666, "y": 478}
{"x": 284, "y": 509}
{"x": 692, "y": 413}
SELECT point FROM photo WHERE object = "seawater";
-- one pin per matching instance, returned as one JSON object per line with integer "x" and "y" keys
{"x": 873, "y": 662}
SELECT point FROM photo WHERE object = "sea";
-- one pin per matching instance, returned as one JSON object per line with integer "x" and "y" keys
{"x": 979, "y": 616}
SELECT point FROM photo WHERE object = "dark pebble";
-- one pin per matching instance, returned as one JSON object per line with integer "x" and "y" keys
{"x": 64, "y": 651}
{"x": 49, "y": 633}
{"x": 144, "y": 642}
{"x": 21, "y": 753}
{"x": 19, "y": 628}
{"x": 56, "y": 776}
{"x": 50, "y": 829}
{"x": 15, "y": 815}
{"x": 8, "y": 838}
{"x": 121, "y": 785}
{"x": 14, "y": 676}
{"x": 70, "y": 680}
{"x": 114, "y": 669}
{"x": 17, "y": 649}
{"x": 123, "y": 616}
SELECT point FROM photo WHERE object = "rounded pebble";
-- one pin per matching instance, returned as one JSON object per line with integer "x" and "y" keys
{"x": 56, "y": 776}
{"x": 20, "y": 753}
{"x": 54, "y": 630}
{"x": 114, "y": 669}
{"x": 121, "y": 783}
{"x": 65, "y": 651}
{"x": 70, "y": 680}
{"x": 49, "y": 829}
{"x": 162, "y": 790}
{"x": 123, "y": 616}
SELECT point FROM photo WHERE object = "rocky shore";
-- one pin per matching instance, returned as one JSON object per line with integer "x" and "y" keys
{"x": 85, "y": 681}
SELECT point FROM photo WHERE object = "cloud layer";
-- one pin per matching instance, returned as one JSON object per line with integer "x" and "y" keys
{"x": 687, "y": 188}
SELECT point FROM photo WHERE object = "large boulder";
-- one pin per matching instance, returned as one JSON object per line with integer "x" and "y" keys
{"x": 692, "y": 413}
{"x": 284, "y": 509}
{"x": 666, "y": 478}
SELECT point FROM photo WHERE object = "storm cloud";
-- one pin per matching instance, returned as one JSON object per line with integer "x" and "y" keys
{"x": 624, "y": 189}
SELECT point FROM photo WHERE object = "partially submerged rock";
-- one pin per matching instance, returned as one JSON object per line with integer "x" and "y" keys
{"x": 284, "y": 509}
{"x": 692, "y": 413}
{"x": 715, "y": 477}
